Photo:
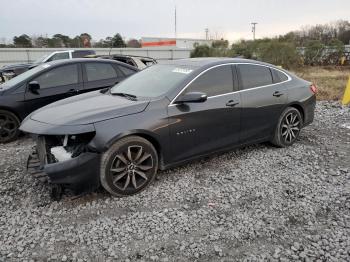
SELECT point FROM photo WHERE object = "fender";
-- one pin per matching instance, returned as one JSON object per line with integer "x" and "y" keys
{"x": 12, "y": 111}
{"x": 139, "y": 132}
{"x": 306, "y": 108}
{"x": 151, "y": 137}
{"x": 297, "y": 105}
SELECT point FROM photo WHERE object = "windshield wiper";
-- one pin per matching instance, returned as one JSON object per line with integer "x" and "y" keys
{"x": 128, "y": 96}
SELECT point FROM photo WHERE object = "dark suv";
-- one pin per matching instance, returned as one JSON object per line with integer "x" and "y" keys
{"x": 141, "y": 62}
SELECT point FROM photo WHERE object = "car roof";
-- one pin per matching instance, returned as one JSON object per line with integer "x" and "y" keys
{"x": 135, "y": 56}
{"x": 210, "y": 61}
{"x": 73, "y": 50}
{"x": 86, "y": 60}
{"x": 121, "y": 55}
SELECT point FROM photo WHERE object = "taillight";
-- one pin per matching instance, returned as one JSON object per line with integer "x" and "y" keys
{"x": 313, "y": 88}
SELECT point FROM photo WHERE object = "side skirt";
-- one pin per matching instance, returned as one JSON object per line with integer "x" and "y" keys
{"x": 219, "y": 151}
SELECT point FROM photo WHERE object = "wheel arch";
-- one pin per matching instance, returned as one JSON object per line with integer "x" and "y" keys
{"x": 149, "y": 136}
{"x": 4, "y": 108}
{"x": 300, "y": 108}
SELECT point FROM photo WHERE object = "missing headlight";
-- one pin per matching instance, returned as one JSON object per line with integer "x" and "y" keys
{"x": 60, "y": 153}
{"x": 62, "y": 148}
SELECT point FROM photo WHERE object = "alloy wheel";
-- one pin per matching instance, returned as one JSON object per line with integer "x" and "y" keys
{"x": 8, "y": 127}
{"x": 130, "y": 169}
{"x": 290, "y": 127}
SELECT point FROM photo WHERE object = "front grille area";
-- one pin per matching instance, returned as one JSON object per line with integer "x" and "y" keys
{"x": 71, "y": 144}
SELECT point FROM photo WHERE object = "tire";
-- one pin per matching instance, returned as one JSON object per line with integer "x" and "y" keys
{"x": 288, "y": 128}
{"x": 128, "y": 166}
{"x": 9, "y": 124}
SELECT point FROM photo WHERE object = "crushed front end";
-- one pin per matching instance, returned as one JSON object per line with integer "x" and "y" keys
{"x": 65, "y": 161}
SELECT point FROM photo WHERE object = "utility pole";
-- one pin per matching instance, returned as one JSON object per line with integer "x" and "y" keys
{"x": 254, "y": 29}
{"x": 175, "y": 23}
{"x": 206, "y": 34}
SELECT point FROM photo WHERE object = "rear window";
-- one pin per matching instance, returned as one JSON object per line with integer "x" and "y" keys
{"x": 278, "y": 76}
{"x": 125, "y": 60}
{"x": 82, "y": 53}
{"x": 126, "y": 71}
{"x": 59, "y": 56}
{"x": 254, "y": 76}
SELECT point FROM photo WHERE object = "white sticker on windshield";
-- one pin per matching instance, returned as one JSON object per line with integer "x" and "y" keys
{"x": 46, "y": 66}
{"x": 182, "y": 70}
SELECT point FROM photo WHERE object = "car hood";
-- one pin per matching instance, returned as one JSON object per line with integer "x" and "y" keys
{"x": 16, "y": 66}
{"x": 87, "y": 109}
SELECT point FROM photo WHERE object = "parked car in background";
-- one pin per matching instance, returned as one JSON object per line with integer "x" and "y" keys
{"x": 9, "y": 71}
{"x": 53, "y": 81}
{"x": 141, "y": 62}
{"x": 163, "y": 116}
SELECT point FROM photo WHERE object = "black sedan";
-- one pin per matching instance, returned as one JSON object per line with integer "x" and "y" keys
{"x": 50, "y": 82}
{"x": 163, "y": 116}
{"x": 11, "y": 71}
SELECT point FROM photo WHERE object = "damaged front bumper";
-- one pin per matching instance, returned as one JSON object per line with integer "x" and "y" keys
{"x": 63, "y": 155}
{"x": 79, "y": 173}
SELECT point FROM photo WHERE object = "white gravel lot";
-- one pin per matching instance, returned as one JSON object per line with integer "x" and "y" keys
{"x": 254, "y": 203}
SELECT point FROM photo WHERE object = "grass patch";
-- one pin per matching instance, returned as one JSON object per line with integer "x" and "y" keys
{"x": 330, "y": 80}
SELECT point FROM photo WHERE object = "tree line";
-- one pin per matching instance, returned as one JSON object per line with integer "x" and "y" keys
{"x": 312, "y": 45}
{"x": 60, "y": 40}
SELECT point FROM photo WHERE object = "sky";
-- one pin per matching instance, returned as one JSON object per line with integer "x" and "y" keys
{"x": 229, "y": 19}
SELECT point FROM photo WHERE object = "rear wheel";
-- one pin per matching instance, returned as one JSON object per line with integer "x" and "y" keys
{"x": 129, "y": 166}
{"x": 9, "y": 124}
{"x": 288, "y": 128}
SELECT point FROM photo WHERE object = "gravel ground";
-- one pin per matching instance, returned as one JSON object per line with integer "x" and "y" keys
{"x": 254, "y": 203}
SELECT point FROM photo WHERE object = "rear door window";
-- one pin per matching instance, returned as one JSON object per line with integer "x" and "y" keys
{"x": 254, "y": 76}
{"x": 60, "y": 76}
{"x": 99, "y": 71}
{"x": 216, "y": 81}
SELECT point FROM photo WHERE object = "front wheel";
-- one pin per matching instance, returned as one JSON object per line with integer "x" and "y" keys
{"x": 9, "y": 124}
{"x": 129, "y": 166}
{"x": 288, "y": 128}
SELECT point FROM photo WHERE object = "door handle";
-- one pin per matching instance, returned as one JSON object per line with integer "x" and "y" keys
{"x": 277, "y": 94}
{"x": 232, "y": 103}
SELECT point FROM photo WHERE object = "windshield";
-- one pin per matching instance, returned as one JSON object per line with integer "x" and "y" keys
{"x": 14, "y": 81}
{"x": 41, "y": 59}
{"x": 153, "y": 81}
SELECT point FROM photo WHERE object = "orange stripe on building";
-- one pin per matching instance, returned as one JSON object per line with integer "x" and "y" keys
{"x": 159, "y": 43}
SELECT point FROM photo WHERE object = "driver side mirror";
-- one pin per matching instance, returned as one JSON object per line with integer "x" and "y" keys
{"x": 34, "y": 87}
{"x": 192, "y": 97}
